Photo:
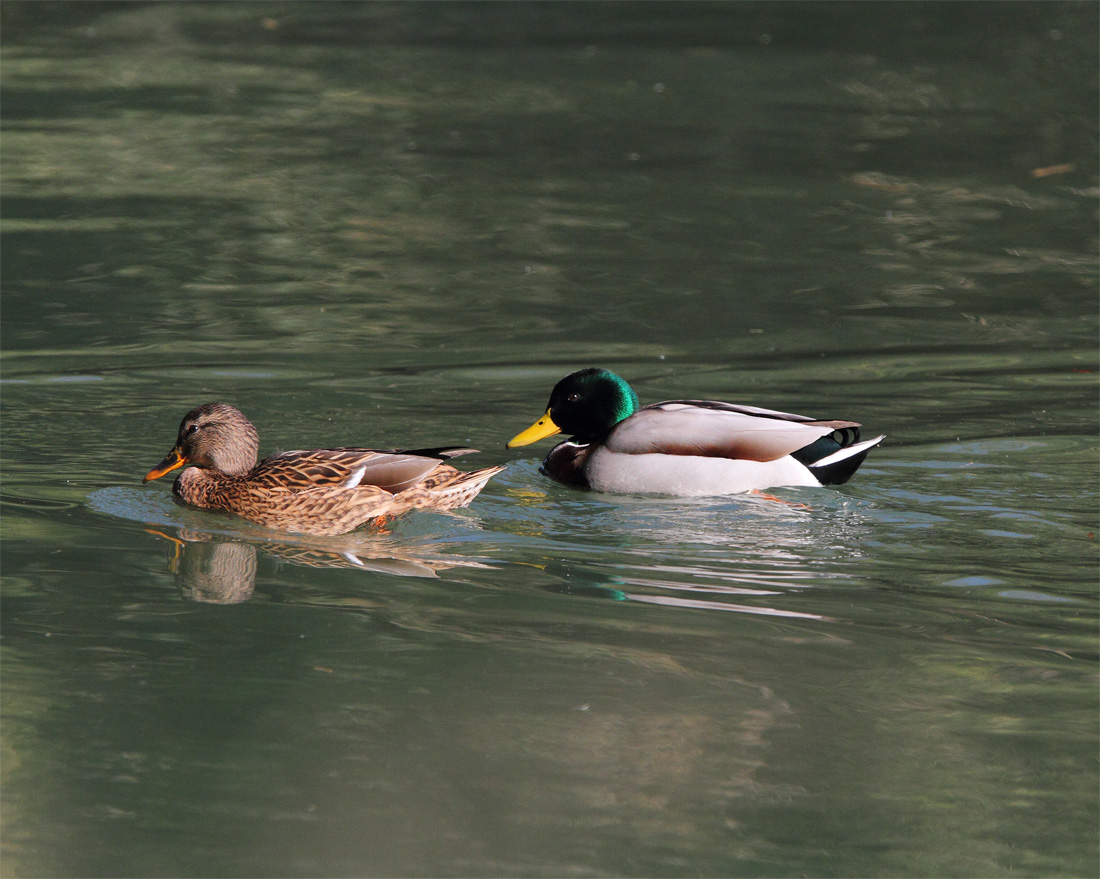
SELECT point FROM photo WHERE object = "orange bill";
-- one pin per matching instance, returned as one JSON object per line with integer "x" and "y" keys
{"x": 172, "y": 461}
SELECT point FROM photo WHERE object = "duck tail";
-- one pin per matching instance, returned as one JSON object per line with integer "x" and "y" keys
{"x": 445, "y": 489}
{"x": 837, "y": 468}
{"x": 466, "y": 487}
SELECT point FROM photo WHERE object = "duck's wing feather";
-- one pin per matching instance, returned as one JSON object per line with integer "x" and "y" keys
{"x": 390, "y": 469}
{"x": 709, "y": 428}
{"x": 720, "y": 406}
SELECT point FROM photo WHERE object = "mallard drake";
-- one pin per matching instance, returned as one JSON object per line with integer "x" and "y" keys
{"x": 685, "y": 447}
{"x": 320, "y": 491}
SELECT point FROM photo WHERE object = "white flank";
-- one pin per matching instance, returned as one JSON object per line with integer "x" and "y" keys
{"x": 690, "y": 475}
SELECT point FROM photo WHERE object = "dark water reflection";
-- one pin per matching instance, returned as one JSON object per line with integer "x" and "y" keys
{"x": 400, "y": 224}
{"x": 224, "y": 572}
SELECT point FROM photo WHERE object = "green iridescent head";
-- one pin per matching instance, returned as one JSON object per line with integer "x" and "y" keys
{"x": 585, "y": 405}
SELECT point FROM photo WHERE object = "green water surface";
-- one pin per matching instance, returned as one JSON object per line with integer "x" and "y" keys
{"x": 398, "y": 225}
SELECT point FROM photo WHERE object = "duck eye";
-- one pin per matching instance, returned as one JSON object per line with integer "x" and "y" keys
{"x": 572, "y": 398}
{"x": 192, "y": 429}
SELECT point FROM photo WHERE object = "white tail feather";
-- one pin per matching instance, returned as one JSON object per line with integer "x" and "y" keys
{"x": 842, "y": 454}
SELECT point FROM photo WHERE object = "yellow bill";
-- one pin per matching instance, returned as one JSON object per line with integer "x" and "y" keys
{"x": 541, "y": 429}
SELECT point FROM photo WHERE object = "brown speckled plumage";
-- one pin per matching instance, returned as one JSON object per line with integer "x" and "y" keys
{"x": 319, "y": 491}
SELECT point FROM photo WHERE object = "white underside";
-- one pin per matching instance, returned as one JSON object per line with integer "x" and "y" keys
{"x": 689, "y": 475}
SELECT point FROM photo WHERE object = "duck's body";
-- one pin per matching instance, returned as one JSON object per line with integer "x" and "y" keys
{"x": 686, "y": 447}
{"x": 319, "y": 491}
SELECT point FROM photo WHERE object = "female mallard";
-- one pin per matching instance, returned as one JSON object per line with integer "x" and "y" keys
{"x": 321, "y": 491}
{"x": 685, "y": 447}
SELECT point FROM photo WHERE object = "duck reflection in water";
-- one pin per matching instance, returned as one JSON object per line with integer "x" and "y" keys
{"x": 213, "y": 570}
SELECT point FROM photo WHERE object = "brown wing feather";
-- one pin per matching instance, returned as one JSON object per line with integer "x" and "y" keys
{"x": 296, "y": 471}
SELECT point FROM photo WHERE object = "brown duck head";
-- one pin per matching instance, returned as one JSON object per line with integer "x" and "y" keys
{"x": 215, "y": 436}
